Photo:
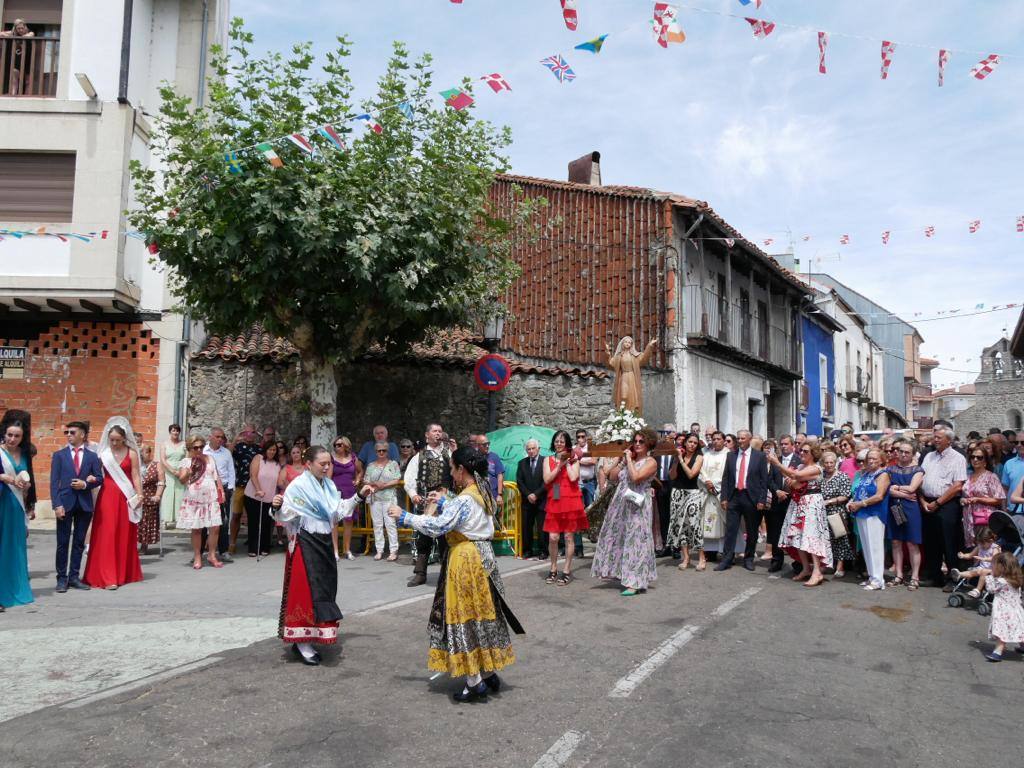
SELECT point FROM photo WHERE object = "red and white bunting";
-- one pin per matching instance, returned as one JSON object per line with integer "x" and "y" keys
{"x": 497, "y": 82}
{"x": 807, "y": 238}
{"x": 761, "y": 29}
{"x": 570, "y": 15}
{"x": 768, "y": 242}
{"x": 984, "y": 67}
{"x": 885, "y": 237}
{"x": 844, "y": 240}
{"x": 929, "y": 231}
{"x": 974, "y": 226}
{"x": 822, "y": 45}
{"x": 943, "y": 61}
{"x": 730, "y": 242}
{"x": 302, "y": 143}
{"x": 888, "y": 48}
{"x": 1020, "y": 223}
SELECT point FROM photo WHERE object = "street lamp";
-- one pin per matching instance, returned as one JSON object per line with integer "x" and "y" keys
{"x": 494, "y": 327}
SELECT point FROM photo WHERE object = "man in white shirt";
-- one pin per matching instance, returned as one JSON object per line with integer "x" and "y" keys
{"x": 429, "y": 470}
{"x": 225, "y": 464}
{"x": 945, "y": 472}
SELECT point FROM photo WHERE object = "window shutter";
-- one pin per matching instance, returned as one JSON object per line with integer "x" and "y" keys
{"x": 36, "y": 186}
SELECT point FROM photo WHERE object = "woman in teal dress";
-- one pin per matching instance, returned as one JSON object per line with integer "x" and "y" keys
{"x": 171, "y": 455}
{"x": 17, "y": 506}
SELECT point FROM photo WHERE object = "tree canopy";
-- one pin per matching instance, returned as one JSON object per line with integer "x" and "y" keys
{"x": 373, "y": 244}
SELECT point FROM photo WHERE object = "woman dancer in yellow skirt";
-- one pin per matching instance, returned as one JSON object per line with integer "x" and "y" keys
{"x": 470, "y": 619}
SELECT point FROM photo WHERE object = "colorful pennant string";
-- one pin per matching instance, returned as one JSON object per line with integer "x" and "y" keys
{"x": 984, "y": 67}
{"x": 974, "y": 226}
{"x": 332, "y": 136}
{"x": 370, "y": 123}
{"x": 570, "y": 15}
{"x": 885, "y": 237}
{"x": 943, "y": 61}
{"x": 457, "y": 99}
{"x": 888, "y": 49}
{"x": 302, "y": 143}
{"x": 270, "y": 155}
{"x": 822, "y": 45}
{"x": 665, "y": 25}
{"x": 496, "y": 82}
{"x": 761, "y": 28}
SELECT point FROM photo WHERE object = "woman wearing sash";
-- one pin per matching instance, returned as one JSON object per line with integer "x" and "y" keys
{"x": 113, "y": 545}
{"x": 17, "y": 506}
{"x": 310, "y": 511}
{"x": 470, "y": 619}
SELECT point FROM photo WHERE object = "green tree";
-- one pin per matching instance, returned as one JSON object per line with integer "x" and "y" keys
{"x": 374, "y": 245}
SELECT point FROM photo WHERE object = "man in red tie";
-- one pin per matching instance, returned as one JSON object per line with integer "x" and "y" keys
{"x": 744, "y": 493}
{"x": 74, "y": 472}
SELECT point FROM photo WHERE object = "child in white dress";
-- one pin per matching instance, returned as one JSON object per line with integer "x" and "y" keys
{"x": 1007, "y": 622}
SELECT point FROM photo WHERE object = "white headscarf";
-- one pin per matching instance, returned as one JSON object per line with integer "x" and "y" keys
{"x": 129, "y": 435}
{"x": 113, "y": 468}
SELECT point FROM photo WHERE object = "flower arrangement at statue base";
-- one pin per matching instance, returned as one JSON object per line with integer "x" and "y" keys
{"x": 619, "y": 426}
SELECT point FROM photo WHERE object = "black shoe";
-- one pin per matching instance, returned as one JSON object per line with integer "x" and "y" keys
{"x": 725, "y": 565}
{"x": 62, "y": 585}
{"x": 493, "y": 682}
{"x": 748, "y": 563}
{"x": 472, "y": 694}
{"x": 775, "y": 567}
{"x": 797, "y": 567}
{"x": 311, "y": 662}
{"x": 676, "y": 554}
{"x": 416, "y": 579}
{"x": 76, "y": 584}
{"x": 661, "y": 553}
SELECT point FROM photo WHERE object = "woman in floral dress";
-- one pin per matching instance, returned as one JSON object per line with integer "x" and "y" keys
{"x": 152, "y": 490}
{"x": 625, "y": 546}
{"x": 201, "y": 505}
{"x": 982, "y": 494}
{"x": 836, "y": 490}
{"x": 686, "y": 523}
{"x": 805, "y": 528}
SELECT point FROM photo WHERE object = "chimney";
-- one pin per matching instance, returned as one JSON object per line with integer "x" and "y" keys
{"x": 586, "y": 170}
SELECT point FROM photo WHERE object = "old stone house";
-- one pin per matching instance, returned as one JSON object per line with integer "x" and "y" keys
{"x": 999, "y": 388}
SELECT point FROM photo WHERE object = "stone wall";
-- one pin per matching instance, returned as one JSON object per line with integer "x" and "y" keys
{"x": 405, "y": 397}
{"x": 998, "y": 403}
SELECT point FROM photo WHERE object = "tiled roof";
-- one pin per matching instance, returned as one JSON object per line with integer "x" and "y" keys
{"x": 454, "y": 348}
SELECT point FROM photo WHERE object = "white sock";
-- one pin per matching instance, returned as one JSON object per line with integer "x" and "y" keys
{"x": 306, "y": 649}
{"x": 473, "y": 680}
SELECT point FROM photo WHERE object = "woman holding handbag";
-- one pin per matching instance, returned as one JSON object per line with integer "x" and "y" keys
{"x": 836, "y": 491}
{"x": 200, "y": 507}
{"x": 904, "y": 523}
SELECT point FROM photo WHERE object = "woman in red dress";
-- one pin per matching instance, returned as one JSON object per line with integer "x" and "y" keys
{"x": 563, "y": 511}
{"x": 113, "y": 555}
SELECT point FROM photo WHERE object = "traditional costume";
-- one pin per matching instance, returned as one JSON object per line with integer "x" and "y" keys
{"x": 713, "y": 470}
{"x": 429, "y": 470}
{"x": 470, "y": 619}
{"x": 311, "y": 509}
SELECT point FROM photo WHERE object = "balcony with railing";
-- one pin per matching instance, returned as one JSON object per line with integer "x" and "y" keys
{"x": 711, "y": 317}
{"x": 826, "y": 403}
{"x": 858, "y": 384}
{"x": 921, "y": 392}
{"x": 28, "y": 66}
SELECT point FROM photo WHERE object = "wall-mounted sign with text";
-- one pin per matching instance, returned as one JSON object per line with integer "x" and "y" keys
{"x": 12, "y": 362}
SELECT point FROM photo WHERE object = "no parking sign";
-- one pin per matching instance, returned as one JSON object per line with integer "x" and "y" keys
{"x": 492, "y": 373}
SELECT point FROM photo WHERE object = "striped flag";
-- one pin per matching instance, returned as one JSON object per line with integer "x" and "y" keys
{"x": 370, "y": 123}
{"x": 302, "y": 143}
{"x": 332, "y": 136}
{"x": 943, "y": 61}
{"x": 761, "y": 29}
{"x": 844, "y": 240}
{"x": 888, "y": 49}
{"x": 232, "y": 162}
{"x": 974, "y": 226}
{"x": 570, "y": 15}
{"x": 984, "y": 67}
{"x": 885, "y": 237}
{"x": 822, "y": 45}
{"x": 929, "y": 231}
{"x": 270, "y": 155}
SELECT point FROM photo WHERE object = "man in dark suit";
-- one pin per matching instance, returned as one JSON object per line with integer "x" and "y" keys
{"x": 778, "y": 485}
{"x": 530, "y": 481}
{"x": 74, "y": 472}
{"x": 744, "y": 492}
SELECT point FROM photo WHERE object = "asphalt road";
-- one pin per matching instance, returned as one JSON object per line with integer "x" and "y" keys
{"x": 713, "y": 669}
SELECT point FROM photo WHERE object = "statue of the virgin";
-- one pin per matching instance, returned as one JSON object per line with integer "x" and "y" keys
{"x": 627, "y": 391}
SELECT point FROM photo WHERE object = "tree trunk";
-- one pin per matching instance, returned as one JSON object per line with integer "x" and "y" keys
{"x": 323, "y": 400}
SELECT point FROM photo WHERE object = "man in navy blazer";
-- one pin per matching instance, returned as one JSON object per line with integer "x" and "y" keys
{"x": 74, "y": 472}
{"x": 744, "y": 495}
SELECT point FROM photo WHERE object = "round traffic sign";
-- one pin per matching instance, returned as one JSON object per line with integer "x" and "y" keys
{"x": 492, "y": 373}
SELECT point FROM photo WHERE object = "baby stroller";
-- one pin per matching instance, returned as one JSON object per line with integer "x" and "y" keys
{"x": 1009, "y": 531}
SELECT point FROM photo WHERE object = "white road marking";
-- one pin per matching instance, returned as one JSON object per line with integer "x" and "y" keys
{"x": 561, "y": 750}
{"x": 626, "y": 685}
{"x": 665, "y": 651}
{"x": 145, "y": 681}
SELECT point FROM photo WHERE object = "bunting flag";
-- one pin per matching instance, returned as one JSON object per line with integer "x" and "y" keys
{"x": 768, "y": 242}
{"x": 757, "y": 3}
{"x": 984, "y": 67}
{"x": 332, "y": 136}
{"x": 302, "y": 143}
{"x": 457, "y": 2}
{"x": 270, "y": 155}
{"x": 372, "y": 124}
{"x": 233, "y": 164}
{"x": 761, "y": 29}
{"x": 807, "y": 238}
{"x": 844, "y": 240}
{"x": 1020, "y": 223}
{"x": 943, "y": 61}
{"x": 974, "y": 226}
{"x": 205, "y": 180}
{"x": 977, "y": 306}
{"x": 885, "y": 237}
{"x": 594, "y": 46}
{"x": 665, "y": 25}
{"x": 457, "y": 99}
{"x": 888, "y": 49}
{"x": 497, "y": 82}
{"x": 406, "y": 109}
{"x": 730, "y": 242}
{"x": 929, "y": 231}
{"x": 570, "y": 15}
{"x": 822, "y": 45}
{"x": 559, "y": 68}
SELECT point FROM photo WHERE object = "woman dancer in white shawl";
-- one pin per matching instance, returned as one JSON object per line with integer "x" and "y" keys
{"x": 309, "y": 511}
{"x": 113, "y": 553}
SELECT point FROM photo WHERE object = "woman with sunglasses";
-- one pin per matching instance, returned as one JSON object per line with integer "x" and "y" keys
{"x": 904, "y": 482}
{"x": 380, "y": 480}
{"x": 870, "y": 506}
{"x": 347, "y": 474}
{"x": 848, "y": 451}
{"x": 805, "y": 529}
{"x": 982, "y": 494}
{"x": 625, "y": 546}
{"x": 563, "y": 511}
{"x": 201, "y": 506}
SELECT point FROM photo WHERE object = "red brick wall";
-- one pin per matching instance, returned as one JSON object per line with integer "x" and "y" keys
{"x": 597, "y": 273}
{"x": 79, "y": 370}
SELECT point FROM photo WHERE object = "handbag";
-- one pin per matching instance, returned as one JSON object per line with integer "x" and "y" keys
{"x": 837, "y": 523}
{"x": 896, "y": 510}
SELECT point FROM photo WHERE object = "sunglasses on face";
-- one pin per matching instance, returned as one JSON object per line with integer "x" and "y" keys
{"x": 338, "y": 445}
{"x": 382, "y": 450}
{"x": 978, "y": 457}
{"x": 197, "y": 447}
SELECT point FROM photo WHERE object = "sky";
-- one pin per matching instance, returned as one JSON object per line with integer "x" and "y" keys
{"x": 778, "y": 149}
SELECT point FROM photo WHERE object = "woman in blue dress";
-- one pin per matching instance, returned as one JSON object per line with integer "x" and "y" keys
{"x": 17, "y": 506}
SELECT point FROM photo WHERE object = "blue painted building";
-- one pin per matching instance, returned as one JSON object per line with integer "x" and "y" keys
{"x": 817, "y": 390}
